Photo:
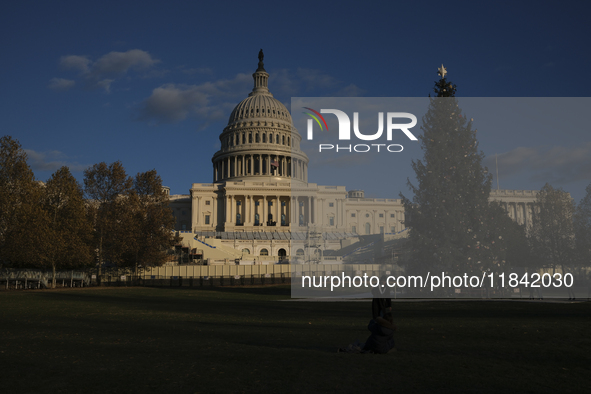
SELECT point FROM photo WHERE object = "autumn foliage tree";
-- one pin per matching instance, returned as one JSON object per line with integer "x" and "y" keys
{"x": 123, "y": 221}
{"x": 583, "y": 230}
{"x": 107, "y": 187}
{"x": 151, "y": 220}
{"x": 132, "y": 221}
{"x": 21, "y": 215}
{"x": 67, "y": 227}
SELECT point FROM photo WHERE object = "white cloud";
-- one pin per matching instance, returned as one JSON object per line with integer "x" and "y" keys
{"x": 102, "y": 73}
{"x": 208, "y": 101}
{"x": 215, "y": 100}
{"x": 105, "y": 84}
{"x": 120, "y": 62}
{"x": 61, "y": 84}
{"x": 556, "y": 165}
{"x": 75, "y": 62}
{"x": 50, "y": 161}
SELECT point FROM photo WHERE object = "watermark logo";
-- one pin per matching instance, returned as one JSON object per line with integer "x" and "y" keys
{"x": 316, "y": 119}
{"x": 345, "y": 129}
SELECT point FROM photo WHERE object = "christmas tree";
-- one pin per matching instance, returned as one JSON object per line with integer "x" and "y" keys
{"x": 449, "y": 215}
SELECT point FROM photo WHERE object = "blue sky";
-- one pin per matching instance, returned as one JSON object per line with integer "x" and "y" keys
{"x": 152, "y": 84}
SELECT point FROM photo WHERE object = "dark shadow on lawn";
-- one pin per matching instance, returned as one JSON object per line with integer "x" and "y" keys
{"x": 270, "y": 290}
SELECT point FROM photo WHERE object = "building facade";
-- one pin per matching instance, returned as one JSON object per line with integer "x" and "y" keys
{"x": 260, "y": 203}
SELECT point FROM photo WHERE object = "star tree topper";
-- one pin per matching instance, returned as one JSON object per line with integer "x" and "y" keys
{"x": 442, "y": 71}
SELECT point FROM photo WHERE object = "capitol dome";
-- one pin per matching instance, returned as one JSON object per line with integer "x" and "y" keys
{"x": 260, "y": 140}
{"x": 260, "y": 106}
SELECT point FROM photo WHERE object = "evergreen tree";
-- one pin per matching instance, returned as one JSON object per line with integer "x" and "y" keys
{"x": 447, "y": 216}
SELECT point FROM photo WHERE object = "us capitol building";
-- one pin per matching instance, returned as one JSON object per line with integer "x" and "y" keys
{"x": 260, "y": 208}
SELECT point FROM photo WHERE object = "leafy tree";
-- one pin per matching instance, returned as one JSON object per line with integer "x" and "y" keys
{"x": 583, "y": 229}
{"x": 21, "y": 217}
{"x": 448, "y": 214}
{"x": 107, "y": 187}
{"x": 152, "y": 222}
{"x": 552, "y": 232}
{"x": 68, "y": 228}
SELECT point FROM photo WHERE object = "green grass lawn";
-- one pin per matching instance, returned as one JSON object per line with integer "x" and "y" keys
{"x": 120, "y": 340}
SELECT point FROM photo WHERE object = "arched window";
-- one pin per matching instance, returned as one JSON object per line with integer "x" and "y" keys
{"x": 245, "y": 251}
{"x": 288, "y": 142}
{"x": 300, "y": 252}
{"x": 250, "y": 138}
{"x": 277, "y": 139}
{"x": 243, "y": 139}
{"x": 264, "y": 252}
{"x": 283, "y": 140}
{"x": 264, "y": 138}
{"x": 256, "y": 138}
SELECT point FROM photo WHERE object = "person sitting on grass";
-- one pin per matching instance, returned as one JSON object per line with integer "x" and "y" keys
{"x": 381, "y": 340}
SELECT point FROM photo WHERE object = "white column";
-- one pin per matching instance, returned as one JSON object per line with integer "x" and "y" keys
{"x": 308, "y": 215}
{"x": 265, "y": 210}
{"x": 195, "y": 213}
{"x": 232, "y": 216}
{"x": 214, "y": 213}
{"x": 246, "y": 218}
{"x": 225, "y": 209}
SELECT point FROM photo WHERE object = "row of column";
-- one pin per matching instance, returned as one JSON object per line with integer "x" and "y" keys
{"x": 278, "y": 139}
{"x": 254, "y": 210}
{"x": 305, "y": 210}
{"x": 521, "y": 212}
{"x": 260, "y": 164}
